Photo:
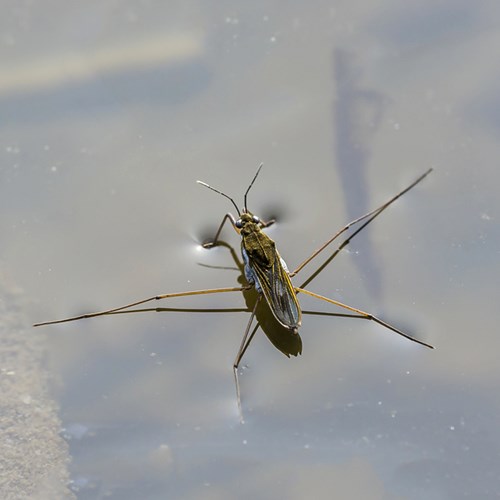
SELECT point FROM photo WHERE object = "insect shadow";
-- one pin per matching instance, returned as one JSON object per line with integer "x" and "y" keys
{"x": 264, "y": 274}
{"x": 285, "y": 340}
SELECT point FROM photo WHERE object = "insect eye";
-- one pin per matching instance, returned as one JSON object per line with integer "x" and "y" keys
{"x": 239, "y": 224}
{"x": 255, "y": 219}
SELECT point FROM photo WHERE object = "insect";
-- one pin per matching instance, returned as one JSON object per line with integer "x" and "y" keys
{"x": 267, "y": 272}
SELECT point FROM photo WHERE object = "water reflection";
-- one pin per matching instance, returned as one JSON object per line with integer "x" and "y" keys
{"x": 357, "y": 114}
{"x": 99, "y": 202}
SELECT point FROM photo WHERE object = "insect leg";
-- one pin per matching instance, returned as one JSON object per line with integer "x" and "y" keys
{"x": 144, "y": 301}
{"x": 245, "y": 342}
{"x": 337, "y": 251}
{"x": 370, "y": 215}
{"x": 213, "y": 243}
{"x": 267, "y": 223}
{"x": 364, "y": 314}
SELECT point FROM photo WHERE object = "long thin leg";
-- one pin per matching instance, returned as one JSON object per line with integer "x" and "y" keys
{"x": 143, "y": 301}
{"x": 241, "y": 351}
{"x": 374, "y": 213}
{"x": 364, "y": 314}
{"x": 337, "y": 251}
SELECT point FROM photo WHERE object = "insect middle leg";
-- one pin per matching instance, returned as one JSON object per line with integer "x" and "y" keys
{"x": 368, "y": 218}
{"x": 126, "y": 307}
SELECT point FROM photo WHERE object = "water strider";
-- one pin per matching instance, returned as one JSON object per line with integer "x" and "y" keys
{"x": 265, "y": 270}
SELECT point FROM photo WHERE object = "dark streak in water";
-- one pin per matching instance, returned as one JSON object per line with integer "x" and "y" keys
{"x": 357, "y": 113}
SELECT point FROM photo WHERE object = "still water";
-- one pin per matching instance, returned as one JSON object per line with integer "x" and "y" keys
{"x": 110, "y": 115}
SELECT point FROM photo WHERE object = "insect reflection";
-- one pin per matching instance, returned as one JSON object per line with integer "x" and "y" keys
{"x": 267, "y": 273}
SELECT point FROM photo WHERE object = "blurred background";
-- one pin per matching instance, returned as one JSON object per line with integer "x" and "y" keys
{"x": 109, "y": 113}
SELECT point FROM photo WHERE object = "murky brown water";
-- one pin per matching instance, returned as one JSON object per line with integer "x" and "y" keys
{"x": 107, "y": 124}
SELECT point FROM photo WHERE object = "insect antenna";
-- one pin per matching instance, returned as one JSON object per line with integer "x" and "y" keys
{"x": 245, "y": 206}
{"x": 223, "y": 194}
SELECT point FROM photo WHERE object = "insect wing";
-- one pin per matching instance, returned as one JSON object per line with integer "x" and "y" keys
{"x": 279, "y": 292}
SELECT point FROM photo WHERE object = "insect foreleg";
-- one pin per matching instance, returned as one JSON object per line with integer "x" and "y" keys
{"x": 267, "y": 223}
{"x": 213, "y": 243}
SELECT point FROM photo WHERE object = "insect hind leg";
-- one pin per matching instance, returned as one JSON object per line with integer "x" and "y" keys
{"x": 245, "y": 342}
{"x": 365, "y": 315}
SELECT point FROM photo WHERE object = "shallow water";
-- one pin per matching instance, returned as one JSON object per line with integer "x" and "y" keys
{"x": 110, "y": 120}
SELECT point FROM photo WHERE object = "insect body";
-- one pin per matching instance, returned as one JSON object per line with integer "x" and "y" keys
{"x": 264, "y": 267}
{"x": 266, "y": 271}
